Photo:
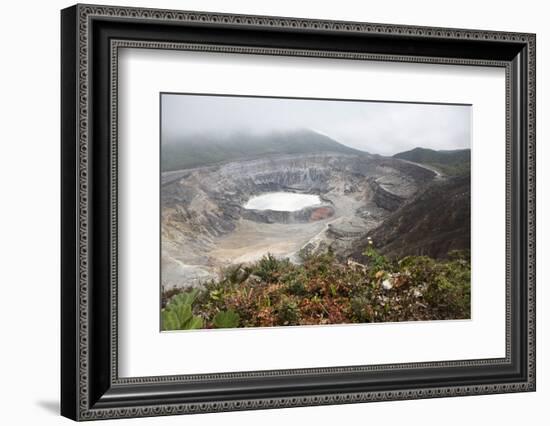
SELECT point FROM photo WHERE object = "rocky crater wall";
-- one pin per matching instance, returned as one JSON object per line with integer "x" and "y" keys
{"x": 202, "y": 205}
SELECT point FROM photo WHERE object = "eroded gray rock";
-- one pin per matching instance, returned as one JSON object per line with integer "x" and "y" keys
{"x": 202, "y": 208}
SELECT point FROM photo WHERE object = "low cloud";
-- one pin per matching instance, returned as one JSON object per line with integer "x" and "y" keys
{"x": 377, "y": 127}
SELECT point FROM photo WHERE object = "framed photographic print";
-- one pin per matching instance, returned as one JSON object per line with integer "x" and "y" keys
{"x": 263, "y": 212}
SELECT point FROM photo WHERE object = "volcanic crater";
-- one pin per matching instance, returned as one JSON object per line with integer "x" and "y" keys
{"x": 206, "y": 226}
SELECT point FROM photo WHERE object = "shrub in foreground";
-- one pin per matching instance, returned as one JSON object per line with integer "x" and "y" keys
{"x": 325, "y": 290}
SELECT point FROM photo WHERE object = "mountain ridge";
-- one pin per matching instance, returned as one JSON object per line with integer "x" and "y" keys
{"x": 204, "y": 150}
{"x": 454, "y": 162}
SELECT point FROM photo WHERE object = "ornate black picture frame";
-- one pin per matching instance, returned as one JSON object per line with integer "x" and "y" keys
{"x": 91, "y": 387}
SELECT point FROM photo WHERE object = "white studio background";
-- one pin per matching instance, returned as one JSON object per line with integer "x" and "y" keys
{"x": 29, "y": 225}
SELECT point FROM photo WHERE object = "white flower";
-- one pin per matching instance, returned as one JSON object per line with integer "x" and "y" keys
{"x": 387, "y": 284}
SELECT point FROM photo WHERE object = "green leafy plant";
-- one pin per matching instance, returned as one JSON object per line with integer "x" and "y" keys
{"x": 288, "y": 312}
{"x": 268, "y": 268}
{"x": 226, "y": 319}
{"x": 178, "y": 313}
{"x": 361, "y": 309}
{"x": 377, "y": 261}
{"x": 296, "y": 287}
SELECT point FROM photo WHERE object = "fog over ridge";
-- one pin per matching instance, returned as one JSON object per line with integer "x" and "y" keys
{"x": 377, "y": 127}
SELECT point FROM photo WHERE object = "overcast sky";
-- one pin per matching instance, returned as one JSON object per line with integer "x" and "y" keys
{"x": 377, "y": 127}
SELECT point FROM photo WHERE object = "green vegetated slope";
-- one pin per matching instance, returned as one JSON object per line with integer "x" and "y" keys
{"x": 203, "y": 150}
{"x": 450, "y": 162}
{"x": 325, "y": 290}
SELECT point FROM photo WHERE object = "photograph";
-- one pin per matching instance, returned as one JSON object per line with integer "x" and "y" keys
{"x": 278, "y": 211}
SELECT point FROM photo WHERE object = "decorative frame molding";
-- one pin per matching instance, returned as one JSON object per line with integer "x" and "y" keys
{"x": 91, "y": 388}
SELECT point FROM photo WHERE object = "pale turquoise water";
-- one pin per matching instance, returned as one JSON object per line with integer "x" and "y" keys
{"x": 282, "y": 201}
